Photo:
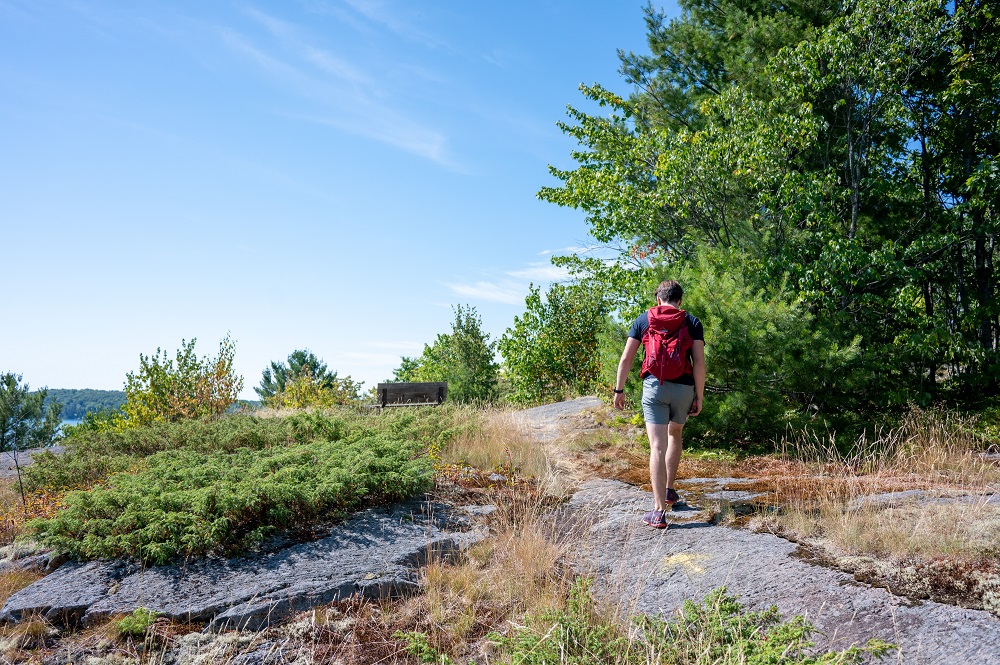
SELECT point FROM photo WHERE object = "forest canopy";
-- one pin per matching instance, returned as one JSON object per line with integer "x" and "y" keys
{"x": 824, "y": 176}
{"x": 79, "y": 402}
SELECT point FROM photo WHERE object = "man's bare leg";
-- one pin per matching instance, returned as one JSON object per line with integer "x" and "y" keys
{"x": 658, "y": 446}
{"x": 674, "y": 449}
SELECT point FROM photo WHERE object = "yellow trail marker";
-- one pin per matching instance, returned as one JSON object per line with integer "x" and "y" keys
{"x": 691, "y": 563}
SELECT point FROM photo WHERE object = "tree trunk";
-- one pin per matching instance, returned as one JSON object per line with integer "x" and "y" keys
{"x": 929, "y": 310}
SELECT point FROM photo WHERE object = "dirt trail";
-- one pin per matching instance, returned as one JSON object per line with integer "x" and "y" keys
{"x": 654, "y": 571}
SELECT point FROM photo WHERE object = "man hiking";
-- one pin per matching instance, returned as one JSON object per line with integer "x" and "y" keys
{"x": 673, "y": 387}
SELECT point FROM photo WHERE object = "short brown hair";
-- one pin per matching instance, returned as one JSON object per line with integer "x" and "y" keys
{"x": 669, "y": 291}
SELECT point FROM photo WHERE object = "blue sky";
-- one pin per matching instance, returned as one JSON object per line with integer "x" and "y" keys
{"x": 322, "y": 174}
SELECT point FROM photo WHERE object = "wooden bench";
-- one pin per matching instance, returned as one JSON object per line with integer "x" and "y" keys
{"x": 411, "y": 394}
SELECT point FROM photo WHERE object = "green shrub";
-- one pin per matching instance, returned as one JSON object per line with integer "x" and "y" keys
{"x": 551, "y": 351}
{"x": 720, "y": 630}
{"x": 136, "y": 624}
{"x": 186, "y": 386}
{"x": 419, "y": 646}
{"x": 770, "y": 365}
{"x": 579, "y": 635}
{"x": 185, "y": 502}
{"x": 92, "y": 455}
{"x": 717, "y": 631}
{"x": 196, "y": 487}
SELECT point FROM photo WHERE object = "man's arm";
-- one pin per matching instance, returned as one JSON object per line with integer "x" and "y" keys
{"x": 698, "y": 361}
{"x": 624, "y": 367}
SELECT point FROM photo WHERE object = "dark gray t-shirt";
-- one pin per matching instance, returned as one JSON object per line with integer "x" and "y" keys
{"x": 695, "y": 329}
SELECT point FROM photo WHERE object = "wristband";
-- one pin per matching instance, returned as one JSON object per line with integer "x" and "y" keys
{"x": 619, "y": 392}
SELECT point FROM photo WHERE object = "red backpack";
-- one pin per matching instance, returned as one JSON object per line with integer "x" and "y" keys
{"x": 667, "y": 342}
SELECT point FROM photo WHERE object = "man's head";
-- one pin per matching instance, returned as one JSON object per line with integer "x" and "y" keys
{"x": 669, "y": 292}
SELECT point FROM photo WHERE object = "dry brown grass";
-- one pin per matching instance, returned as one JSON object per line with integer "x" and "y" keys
{"x": 12, "y": 581}
{"x": 836, "y": 504}
{"x": 18, "y": 641}
{"x": 500, "y": 441}
{"x": 517, "y": 571}
{"x": 933, "y": 450}
{"x": 14, "y": 514}
{"x": 912, "y": 531}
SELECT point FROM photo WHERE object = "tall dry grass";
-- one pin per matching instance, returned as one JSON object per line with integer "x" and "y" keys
{"x": 499, "y": 440}
{"x": 854, "y": 500}
{"x": 932, "y": 446}
{"x": 519, "y": 570}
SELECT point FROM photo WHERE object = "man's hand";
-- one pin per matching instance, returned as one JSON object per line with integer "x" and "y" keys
{"x": 619, "y": 401}
{"x": 695, "y": 407}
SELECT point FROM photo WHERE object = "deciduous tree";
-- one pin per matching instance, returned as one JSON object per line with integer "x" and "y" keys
{"x": 186, "y": 386}
{"x": 846, "y": 152}
{"x": 551, "y": 351}
{"x": 303, "y": 391}
{"x": 465, "y": 358}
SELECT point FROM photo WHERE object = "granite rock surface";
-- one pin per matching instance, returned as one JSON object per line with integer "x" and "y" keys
{"x": 654, "y": 571}
{"x": 373, "y": 554}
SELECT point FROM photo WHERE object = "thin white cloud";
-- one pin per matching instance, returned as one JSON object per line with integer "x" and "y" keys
{"x": 347, "y": 97}
{"x": 504, "y": 292}
{"x": 541, "y": 272}
{"x": 382, "y": 14}
{"x": 275, "y": 26}
{"x": 271, "y": 65}
{"x": 512, "y": 288}
{"x": 392, "y": 130}
{"x": 340, "y": 13}
{"x": 401, "y": 347}
{"x": 572, "y": 249}
{"x": 291, "y": 37}
{"x": 334, "y": 65}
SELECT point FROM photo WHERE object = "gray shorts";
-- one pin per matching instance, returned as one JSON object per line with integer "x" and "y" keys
{"x": 666, "y": 403}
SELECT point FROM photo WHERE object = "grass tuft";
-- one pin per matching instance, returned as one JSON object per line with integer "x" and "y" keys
{"x": 13, "y": 580}
{"x": 717, "y": 631}
{"x": 135, "y": 625}
{"x": 500, "y": 441}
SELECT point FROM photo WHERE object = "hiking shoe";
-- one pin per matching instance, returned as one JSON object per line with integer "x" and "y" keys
{"x": 655, "y": 519}
{"x": 672, "y": 497}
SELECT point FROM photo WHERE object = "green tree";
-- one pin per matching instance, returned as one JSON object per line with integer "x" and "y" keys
{"x": 79, "y": 402}
{"x": 845, "y": 151}
{"x": 25, "y": 420}
{"x": 300, "y": 361}
{"x": 303, "y": 391}
{"x": 186, "y": 386}
{"x": 465, "y": 358}
{"x": 551, "y": 351}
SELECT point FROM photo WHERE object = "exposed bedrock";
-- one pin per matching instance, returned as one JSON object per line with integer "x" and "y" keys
{"x": 373, "y": 554}
{"x": 653, "y": 571}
